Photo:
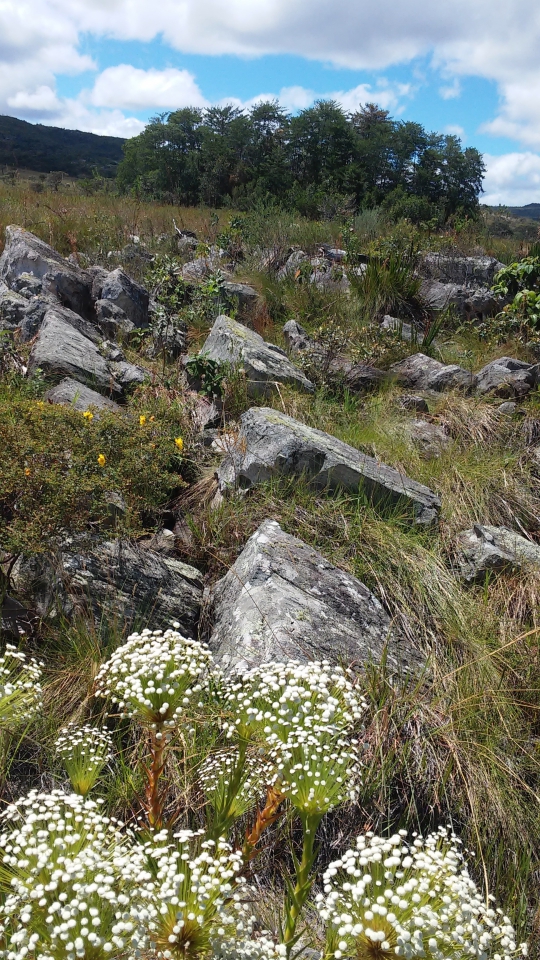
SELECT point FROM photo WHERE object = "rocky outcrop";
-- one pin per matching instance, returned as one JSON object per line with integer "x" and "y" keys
{"x": 271, "y": 444}
{"x": 12, "y": 309}
{"x": 465, "y": 271}
{"x": 26, "y": 254}
{"x": 265, "y": 365}
{"x": 282, "y": 600}
{"x": 117, "y": 580}
{"x": 470, "y": 303}
{"x": 70, "y": 393}
{"x": 507, "y": 378}
{"x": 61, "y": 351}
{"x": 425, "y": 373}
{"x": 129, "y": 296}
{"x": 486, "y": 550}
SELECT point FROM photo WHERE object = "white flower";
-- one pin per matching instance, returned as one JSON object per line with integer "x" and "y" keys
{"x": 20, "y": 686}
{"x": 85, "y": 751}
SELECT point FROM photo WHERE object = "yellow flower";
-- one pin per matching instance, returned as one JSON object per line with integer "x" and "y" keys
{"x": 152, "y": 418}
{"x": 101, "y": 460}
{"x": 179, "y": 443}
{"x": 88, "y": 415}
{"x": 27, "y": 472}
{"x": 40, "y": 404}
{"x": 142, "y": 420}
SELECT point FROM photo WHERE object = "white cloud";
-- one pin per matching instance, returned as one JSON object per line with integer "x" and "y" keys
{"x": 451, "y": 91}
{"x": 128, "y": 88}
{"x": 512, "y": 179}
{"x": 454, "y": 129}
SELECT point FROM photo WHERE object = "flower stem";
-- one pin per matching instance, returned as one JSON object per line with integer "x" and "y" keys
{"x": 296, "y": 896}
{"x": 155, "y": 799}
{"x": 265, "y": 818}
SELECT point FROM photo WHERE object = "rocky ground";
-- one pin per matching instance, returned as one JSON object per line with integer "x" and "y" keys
{"x": 365, "y": 492}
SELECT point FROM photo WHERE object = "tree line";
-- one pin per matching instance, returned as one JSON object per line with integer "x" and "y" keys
{"x": 320, "y": 159}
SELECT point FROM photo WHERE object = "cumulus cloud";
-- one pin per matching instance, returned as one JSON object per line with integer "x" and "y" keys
{"x": 451, "y": 91}
{"x": 512, "y": 179}
{"x": 128, "y": 88}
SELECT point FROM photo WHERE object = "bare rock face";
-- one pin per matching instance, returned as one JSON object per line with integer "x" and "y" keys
{"x": 466, "y": 271}
{"x": 429, "y": 437}
{"x": 487, "y": 550}
{"x": 118, "y": 580}
{"x": 26, "y": 254}
{"x": 425, "y": 373}
{"x": 271, "y": 444}
{"x": 62, "y": 351}
{"x": 12, "y": 309}
{"x": 128, "y": 295}
{"x": 264, "y": 364}
{"x": 282, "y": 600}
{"x": 70, "y": 393}
{"x": 507, "y": 378}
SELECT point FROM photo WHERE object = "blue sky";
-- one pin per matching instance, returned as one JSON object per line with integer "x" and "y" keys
{"x": 460, "y": 66}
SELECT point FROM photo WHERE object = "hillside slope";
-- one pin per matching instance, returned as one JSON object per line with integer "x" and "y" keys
{"x": 37, "y": 147}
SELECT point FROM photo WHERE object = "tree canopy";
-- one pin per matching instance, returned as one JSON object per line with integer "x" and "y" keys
{"x": 226, "y": 156}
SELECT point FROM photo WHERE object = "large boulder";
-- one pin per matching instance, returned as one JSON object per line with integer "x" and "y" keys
{"x": 465, "y": 271}
{"x": 425, "y": 373}
{"x": 282, "y": 600}
{"x": 265, "y": 364}
{"x": 485, "y": 550}
{"x": 507, "y": 378}
{"x": 70, "y": 393}
{"x": 112, "y": 320}
{"x": 128, "y": 295}
{"x": 117, "y": 580}
{"x": 271, "y": 444}
{"x": 241, "y": 293}
{"x": 12, "y": 309}
{"x": 469, "y": 302}
{"x": 26, "y": 254}
{"x": 405, "y": 331}
{"x": 62, "y": 351}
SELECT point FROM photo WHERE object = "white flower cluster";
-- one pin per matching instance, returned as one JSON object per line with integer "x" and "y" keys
{"x": 245, "y": 943}
{"x": 154, "y": 677}
{"x": 20, "y": 686}
{"x": 410, "y": 899}
{"x": 85, "y": 751}
{"x": 305, "y": 714}
{"x": 220, "y": 768}
{"x": 74, "y": 876}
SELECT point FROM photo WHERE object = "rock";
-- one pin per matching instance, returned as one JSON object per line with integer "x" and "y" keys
{"x": 186, "y": 243}
{"x": 431, "y": 438}
{"x": 465, "y": 271}
{"x": 129, "y": 375}
{"x": 25, "y": 253}
{"x": 27, "y": 285}
{"x": 409, "y": 402}
{"x": 98, "y": 276}
{"x": 271, "y": 444}
{"x": 61, "y": 351}
{"x": 115, "y": 580}
{"x": 12, "y": 309}
{"x": 34, "y": 315}
{"x": 292, "y": 265}
{"x": 15, "y": 619}
{"x": 358, "y": 377}
{"x": 333, "y": 253}
{"x": 426, "y": 373}
{"x": 507, "y": 378}
{"x": 163, "y": 543}
{"x": 508, "y": 408}
{"x": 112, "y": 320}
{"x": 135, "y": 251}
{"x": 128, "y": 295}
{"x": 296, "y": 337}
{"x": 264, "y": 364}
{"x": 333, "y": 279}
{"x": 169, "y": 337}
{"x": 242, "y": 293}
{"x": 282, "y": 600}
{"x": 487, "y": 549}
{"x": 469, "y": 303}
{"x": 116, "y": 509}
{"x": 406, "y": 331}
{"x": 204, "y": 412}
{"x": 70, "y": 393}
{"x": 203, "y": 267}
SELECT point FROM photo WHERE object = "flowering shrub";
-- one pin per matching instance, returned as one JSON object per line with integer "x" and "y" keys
{"x": 154, "y": 677}
{"x": 409, "y": 899}
{"x": 84, "y": 752}
{"x": 20, "y": 686}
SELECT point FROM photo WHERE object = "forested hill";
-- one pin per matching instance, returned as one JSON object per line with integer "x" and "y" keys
{"x": 33, "y": 146}
{"x": 318, "y": 162}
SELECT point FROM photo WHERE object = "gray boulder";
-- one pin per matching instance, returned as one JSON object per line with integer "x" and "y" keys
{"x": 425, "y": 373}
{"x": 429, "y": 437}
{"x": 507, "y": 378}
{"x": 465, "y": 271}
{"x": 409, "y": 402}
{"x": 405, "y": 330}
{"x": 128, "y": 375}
{"x": 12, "y": 309}
{"x": 34, "y": 315}
{"x": 357, "y": 377}
{"x": 128, "y": 295}
{"x": 70, "y": 393}
{"x": 26, "y": 254}
{"x": 27, "y": 285}
{"x": 282, "y": 600}
{"x": 486, "y": 549}
{"x": 242, "y": 293}
{"x": 114, "y": 580}
{"x": 469, "y": 302}
{"x": 62, "y": 351}
{"x": 296, "y": 337}
{"x": 271, "y": 444}
{"x": 264, "y": 364}
{"x": 112, "y": 320}
{"x": 289, "y": 269}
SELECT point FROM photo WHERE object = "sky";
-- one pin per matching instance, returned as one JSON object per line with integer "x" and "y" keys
{"x": 467, "y": 67}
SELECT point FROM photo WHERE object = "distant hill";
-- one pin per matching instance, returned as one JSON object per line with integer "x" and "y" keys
{"x": 44, "y": 149}
{"x": 530, "y": 210}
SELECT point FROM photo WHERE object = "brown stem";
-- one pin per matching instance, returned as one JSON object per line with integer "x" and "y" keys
{"x": 265, "y": 818}
{"x": 155, "y": 800}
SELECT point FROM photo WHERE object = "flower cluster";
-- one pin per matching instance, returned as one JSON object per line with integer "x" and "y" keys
{"x": 20, "y": 686}
{"x": 304, "y": 714}
{"x": 154, "y": 677}
{"x": 252, "y": 774}
{"x": 412, "y": 899}
{"x": 84, "y": 751}
{"x": 245, "y": 943}
{"x": 75, "y": 879}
